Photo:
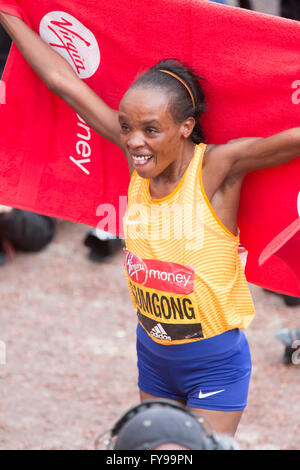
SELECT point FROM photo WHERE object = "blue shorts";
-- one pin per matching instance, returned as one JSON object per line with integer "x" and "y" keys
{"x": 212, "y": 374}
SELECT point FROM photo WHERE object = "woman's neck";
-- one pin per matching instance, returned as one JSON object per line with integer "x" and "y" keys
{"x": 174, "y": 172}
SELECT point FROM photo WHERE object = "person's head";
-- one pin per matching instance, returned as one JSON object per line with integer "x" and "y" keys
{"x": 164, "y": 425}
{"x": 159, "y": 115}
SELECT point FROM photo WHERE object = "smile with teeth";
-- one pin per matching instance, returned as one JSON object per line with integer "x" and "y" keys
{"x": 141, "y": 159}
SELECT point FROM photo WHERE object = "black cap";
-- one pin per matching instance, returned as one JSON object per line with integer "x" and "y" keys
{"x": 157, "y": 425}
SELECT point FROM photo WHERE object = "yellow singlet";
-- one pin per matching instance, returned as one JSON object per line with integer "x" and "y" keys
{"x": 182, "y": 264}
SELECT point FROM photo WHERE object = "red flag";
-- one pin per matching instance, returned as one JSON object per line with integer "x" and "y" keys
{"x": 52, "y": 163}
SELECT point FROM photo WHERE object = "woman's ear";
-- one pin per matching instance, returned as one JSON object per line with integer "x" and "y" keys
{"x": 188, "y": 127}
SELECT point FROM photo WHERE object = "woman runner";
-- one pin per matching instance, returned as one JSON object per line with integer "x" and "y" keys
{"x": 182, "y": 265}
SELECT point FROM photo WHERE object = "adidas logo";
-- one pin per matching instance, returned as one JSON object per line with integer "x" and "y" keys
{"x": 159, "y": 332}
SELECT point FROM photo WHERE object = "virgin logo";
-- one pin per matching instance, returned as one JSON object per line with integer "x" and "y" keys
{"x": 136, "y": 268}
{"x": 73, "y": 41}
{"x": 160, "y": 275}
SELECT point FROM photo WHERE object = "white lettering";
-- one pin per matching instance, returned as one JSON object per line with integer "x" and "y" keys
{"x": 122, "y": 210}
{"x": 194, "y": 226}
{"x": 170, "y": 220}
{"x": 170, "y": 277}
{"x": 2, "y": 92}
{"x": 295, "y": 98}
{"x": 123, "y": 460}
{"x": 2, "y": 353}
{"x": 83, "y": 149}
{"x": 153, "y": 273}
{"x": 86, "y": 149}
{"x": 186, "y": 280}
{"x": 80, "y": 162}
{"x": 88, "y": 132}
{"x": 80, "y": 118}
{"x": 136, "y": 221}
{"x": 108, "y": 223}
{"x": 296, "y": 354}
{"x": 155, "y": 457}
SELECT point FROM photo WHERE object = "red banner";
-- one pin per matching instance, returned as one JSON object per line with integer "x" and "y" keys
{"x": 53, "y": 163}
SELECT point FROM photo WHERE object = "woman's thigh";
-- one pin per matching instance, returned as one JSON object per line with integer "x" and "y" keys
{"x": 220, "y": 422}
{"x": 146, "y": 396}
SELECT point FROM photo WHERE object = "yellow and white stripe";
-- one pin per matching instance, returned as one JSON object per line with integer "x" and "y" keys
{"x": 183, "y": 228}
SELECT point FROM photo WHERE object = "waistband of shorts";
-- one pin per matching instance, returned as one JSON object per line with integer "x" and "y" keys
{"x": 206, "y": 347}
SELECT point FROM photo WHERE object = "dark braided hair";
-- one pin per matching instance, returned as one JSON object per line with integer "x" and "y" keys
{"x": 181, "y": 103}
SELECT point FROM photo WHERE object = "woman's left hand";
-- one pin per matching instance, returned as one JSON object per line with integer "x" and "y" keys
{"x": 5, "y": 209}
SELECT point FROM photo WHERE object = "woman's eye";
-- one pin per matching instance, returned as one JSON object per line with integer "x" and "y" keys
{"x": 151, "y": 131}
{"x": 124, "y": 128}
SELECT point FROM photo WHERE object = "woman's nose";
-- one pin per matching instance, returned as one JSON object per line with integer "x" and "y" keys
{"x": 135, "y": 140}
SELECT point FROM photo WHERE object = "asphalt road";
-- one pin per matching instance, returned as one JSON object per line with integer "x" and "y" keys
{"x": 70, "y": 371}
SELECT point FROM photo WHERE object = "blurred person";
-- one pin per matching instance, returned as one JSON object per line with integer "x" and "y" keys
{"x": 291, "y": 340}
{"x": 23, "y": 231}
{"x": 245, "y": 4}
{"x": 102, "y": 245}
{"x": 164, "y": 425}
{"x": 290, "y": 301}
{"x": 290, "y": 9}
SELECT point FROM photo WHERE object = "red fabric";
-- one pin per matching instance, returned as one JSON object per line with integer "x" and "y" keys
{"x": 251, "y": 63}
{"x": 285, "y": 247}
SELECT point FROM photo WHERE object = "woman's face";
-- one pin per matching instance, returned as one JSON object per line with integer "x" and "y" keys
{"x": 149, "y": 135}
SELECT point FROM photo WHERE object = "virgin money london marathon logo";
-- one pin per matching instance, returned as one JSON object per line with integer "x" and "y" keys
{"x": 76, "y": 43}
{"x": 136, "y": 268}
{"x": 155, "y": 274}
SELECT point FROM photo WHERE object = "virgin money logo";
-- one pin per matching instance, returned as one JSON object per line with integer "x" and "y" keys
{"x": 73, "y": 41}
{"x": 136, "y": 268}
{"x": 160, "y": 275}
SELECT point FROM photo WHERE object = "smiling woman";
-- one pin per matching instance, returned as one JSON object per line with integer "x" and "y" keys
{"x": 191, "y": 346}
{"x": 160, "y": 108}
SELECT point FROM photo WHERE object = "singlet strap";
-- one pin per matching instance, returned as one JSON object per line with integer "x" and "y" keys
{"x": 211, "y": 209}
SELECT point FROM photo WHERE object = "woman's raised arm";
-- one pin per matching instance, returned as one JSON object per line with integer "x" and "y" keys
{"x": 61, "y": 79}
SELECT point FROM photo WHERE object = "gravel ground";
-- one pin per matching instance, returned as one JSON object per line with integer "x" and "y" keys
{"x": 70, "y": 372}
